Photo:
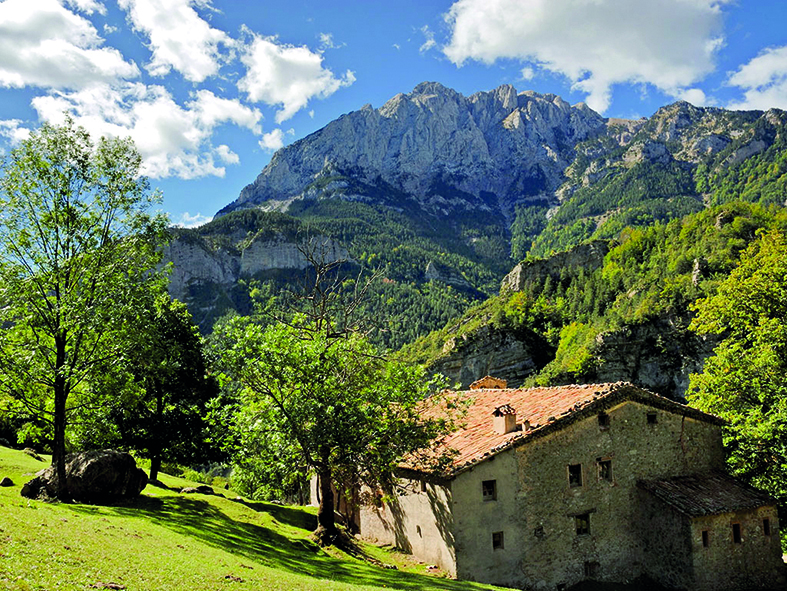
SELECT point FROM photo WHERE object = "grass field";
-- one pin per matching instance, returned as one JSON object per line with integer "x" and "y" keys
{"x": 165, "y": 540}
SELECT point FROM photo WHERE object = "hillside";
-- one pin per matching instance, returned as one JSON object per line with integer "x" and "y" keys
{"x": 181, "y": 542}
{"x": 445, "y": 193}
{"x": 605, "y": 311}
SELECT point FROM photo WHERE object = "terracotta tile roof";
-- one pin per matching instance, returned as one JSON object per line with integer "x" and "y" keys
{"x": 706, "y": 494}
{"x": 538, "y": 411}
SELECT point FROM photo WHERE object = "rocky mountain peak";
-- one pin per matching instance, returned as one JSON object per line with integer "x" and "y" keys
{"x": 490, "y": 150}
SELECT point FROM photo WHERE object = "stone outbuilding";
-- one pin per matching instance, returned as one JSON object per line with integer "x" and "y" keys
{"x": 607, "y": 482}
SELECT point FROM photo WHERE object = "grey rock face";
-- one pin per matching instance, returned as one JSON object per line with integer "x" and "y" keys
{"x": 94, "y": 477}
{"x": 498, "y": 143}
{"x": 589, "y": 256}
{"x": 487, "y": 351}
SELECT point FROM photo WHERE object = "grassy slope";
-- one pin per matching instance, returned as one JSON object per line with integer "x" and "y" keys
{"x": 165, "y": 540}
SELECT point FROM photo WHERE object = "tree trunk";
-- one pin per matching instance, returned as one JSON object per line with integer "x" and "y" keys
{"x": 155, "y": 466}
{"x": 326, "y": 520}
{"x": 59, "y": 435}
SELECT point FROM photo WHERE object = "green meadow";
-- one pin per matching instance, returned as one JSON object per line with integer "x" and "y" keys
{"x": 168, "y": 541}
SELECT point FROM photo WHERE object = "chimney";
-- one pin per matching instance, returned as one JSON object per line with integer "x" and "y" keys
{"x": 504, "y": 420}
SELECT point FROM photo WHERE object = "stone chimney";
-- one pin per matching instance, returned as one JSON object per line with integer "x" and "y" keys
{"x": 504, "y": 420}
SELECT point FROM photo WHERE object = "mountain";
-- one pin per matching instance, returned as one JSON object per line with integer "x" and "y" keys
{"x": 448, "y": 153}
{"x": 446, "y": 193}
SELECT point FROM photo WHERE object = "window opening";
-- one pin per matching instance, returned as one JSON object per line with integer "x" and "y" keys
{"x": 705, "y": 538}
{"x": 423, "y": 485}
{"x": 582, "y": 523}
{"x": 418, "y": 530}
{"x": 497, "y": 540}
{"x": 653, "y": 418}
{"x": 574, "y": 475}
{"x": 591, "y": 570}
{"x": 766, "y": 527}
{"x": 736, "y": 533}
{"x": 603, "y": 420}
{"x": 605, "y": 470}
{"x": 489, "y": 490}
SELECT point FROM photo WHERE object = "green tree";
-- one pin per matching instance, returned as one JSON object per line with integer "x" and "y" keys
{"x": 77, "y": 247}
{"x": 317, "y": 397}
{"x": 161, "y": 416}
{"x": 745, "y": 381}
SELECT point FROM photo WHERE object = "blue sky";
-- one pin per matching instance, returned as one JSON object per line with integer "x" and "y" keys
{"x": 208, "y": 89}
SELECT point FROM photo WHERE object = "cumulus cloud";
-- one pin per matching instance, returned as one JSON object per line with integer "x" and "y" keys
{"x": 178, "y": 37}
{"x": 286, "y": 75}
{"x": 174, "y": 140}
{"x": 429, "y": 41}
{"x": 763, "y": 80}
{"x": 275, "y": 139}
{"x": 188, "y": 220}
{"x": 13, "y": 131}
{"x": 594, "y": 43}
{"x": 87, "y": 6}
{"x": 45, "y": 45}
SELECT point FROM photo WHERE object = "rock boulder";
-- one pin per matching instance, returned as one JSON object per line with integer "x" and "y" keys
{"x": 101, "y": 476}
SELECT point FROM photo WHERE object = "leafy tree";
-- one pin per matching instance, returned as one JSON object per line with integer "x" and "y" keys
{"x": 77, "y": 248}
{"x": 317, "y": 397}
{"x": 162, "y": 414}
{"x": 744, "y": 382}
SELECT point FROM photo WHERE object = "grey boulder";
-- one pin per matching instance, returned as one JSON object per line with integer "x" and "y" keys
{"x": 101, "y": 476}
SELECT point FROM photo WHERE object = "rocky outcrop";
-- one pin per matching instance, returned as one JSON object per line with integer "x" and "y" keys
{"x": 496, "y": 148}
{"x": 435, "y": 272}
{"x": 195, "y": 262}
{"x": 588, "y": 256}
{"x": 97, "y": 477}
{"x": 487, "y": 351}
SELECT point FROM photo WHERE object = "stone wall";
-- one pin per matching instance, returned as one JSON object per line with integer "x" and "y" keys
{"x": 416, "y": 520}
{"x": 727, "y": 566}
{"x": 477, "y": 518}
{"x": 552, "y": 553}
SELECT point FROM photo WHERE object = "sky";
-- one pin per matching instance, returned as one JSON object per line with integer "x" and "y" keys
{"x": 209, "y": 89}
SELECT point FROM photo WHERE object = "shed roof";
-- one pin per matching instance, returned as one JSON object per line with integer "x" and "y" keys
{"x": 544, "y": 410}
{"x": 712, "y": 493}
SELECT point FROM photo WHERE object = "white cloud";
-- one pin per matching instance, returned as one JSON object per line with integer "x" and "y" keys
{"x": 286, "y": 75}
{"x": 43, "y": 44}
{"x": 327, "y": 42}
{"x": 763, "y": 80}
{"x": 87, "y": 6}
{"x": 13, "y": 131}
{"x": 527, "y": 73}
{"x": 670, "y": 44}
{"x": 429, "y": 41}
{"x": 396, "y": 46}
{"x": 188, "y": 220}
{"x": 174, "y": 140}
{"x": 274, "y": 140}
{"x": 178, "y": 37}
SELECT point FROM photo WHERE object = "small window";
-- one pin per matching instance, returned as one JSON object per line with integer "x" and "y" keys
{"x": 653, "y": 418}
{"x": 603, "y": 420}
{"x": 497, "y": 541}
{"x": 736, "y": 533}
{"x": 591, "y": 570}
{"x": 574, "y": 475}
{"x": 766, "y": 527}
{"x": 418, "y": 531}
{"x": 423, "y": 486}
{"x": 705, "y": 538}
{"x": 582, "y": 523}
{"x": 605, "y": 470}
{"x": 489, "y": 490}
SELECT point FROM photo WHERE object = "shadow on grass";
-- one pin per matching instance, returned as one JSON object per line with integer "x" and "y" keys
{"x": 201, "y": 520}
{"x": 289, "y": 515}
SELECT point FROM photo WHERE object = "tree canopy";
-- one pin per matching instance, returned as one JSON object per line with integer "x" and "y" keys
{"x": 316, "y": 397}
{"x": 745, "y": 381}
{"x": 77, "y": 246}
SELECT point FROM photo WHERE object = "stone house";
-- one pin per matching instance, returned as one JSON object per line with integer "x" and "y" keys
{"x": 610, "y": 482}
